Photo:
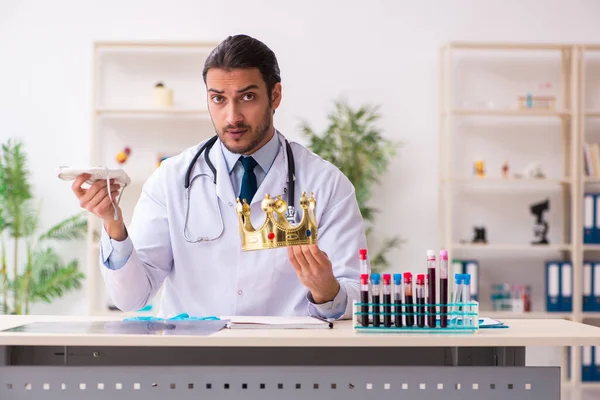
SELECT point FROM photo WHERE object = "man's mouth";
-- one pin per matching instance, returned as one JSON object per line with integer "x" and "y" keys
{"x": 236, "y": 133}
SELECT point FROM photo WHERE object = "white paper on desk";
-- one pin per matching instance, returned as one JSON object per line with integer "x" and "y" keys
{"x": 484, "y": 322}
{"x": 269, "y": 322}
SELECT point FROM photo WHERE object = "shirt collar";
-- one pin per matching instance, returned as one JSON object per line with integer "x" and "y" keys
{"x": 263, "y": 156}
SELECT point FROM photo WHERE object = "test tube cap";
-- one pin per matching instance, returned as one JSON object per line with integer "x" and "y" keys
{"x": 364, "y": 279}
{"x": 397, "y": 279}
{"x": 466, "y": 279}
{"x": 458, "y": 278}
{"x": 387, "y": 279}
{"x": 362, "y": 254}
{"x": 375, "y": 278}
{"x": 420, "y": 279}
{"x": 430, "y": 254}
{"x": 407, "y": 277}
{"x": 444, "y": 254}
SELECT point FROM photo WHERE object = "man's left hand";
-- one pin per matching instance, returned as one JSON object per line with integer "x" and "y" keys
{"x": 315, "y": 271}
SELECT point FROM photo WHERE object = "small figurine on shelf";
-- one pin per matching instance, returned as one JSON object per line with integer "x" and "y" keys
{"x": 540, "y": 229}
{"x": 505, "y": 169}
{"x": 479, "y": 169}
{"x": 123, "y": 155}
{"x": 533, "y": 170}
{"x": 163, "y": 97}
{"x": 479, "y": 236}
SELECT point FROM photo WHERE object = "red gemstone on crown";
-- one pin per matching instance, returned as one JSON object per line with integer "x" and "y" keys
{"x": 271, "y": 236}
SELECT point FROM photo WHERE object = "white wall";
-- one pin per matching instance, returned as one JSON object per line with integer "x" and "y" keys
{"x": 368, "y": 51}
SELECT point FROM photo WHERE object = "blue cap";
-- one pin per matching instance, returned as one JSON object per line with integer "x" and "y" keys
{"x": 467, "y": 279}
{"x": 458, "y": 278}
{"x": 397, "y": 279}
{"x": 375, "y": 278}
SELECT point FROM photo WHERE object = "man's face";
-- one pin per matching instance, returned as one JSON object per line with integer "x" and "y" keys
{"x": 238, "y": 103}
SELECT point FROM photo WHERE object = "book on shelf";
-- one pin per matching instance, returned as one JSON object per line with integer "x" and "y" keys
{"x": 591, "y": 157}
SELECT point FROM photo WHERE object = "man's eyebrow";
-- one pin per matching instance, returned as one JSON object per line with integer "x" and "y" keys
{"x": 216, "y": 91}
{"x": 247, "y": 88}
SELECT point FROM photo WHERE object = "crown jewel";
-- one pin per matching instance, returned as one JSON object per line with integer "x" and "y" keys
{"x": 276, "y": 231}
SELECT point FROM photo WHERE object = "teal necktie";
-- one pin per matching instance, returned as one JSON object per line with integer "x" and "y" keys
{"x": 249, "y": 185}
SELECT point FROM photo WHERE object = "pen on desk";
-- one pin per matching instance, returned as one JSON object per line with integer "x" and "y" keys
{"x": 408, "y": 299}
{"x": 398, "y": 300}
{"x": 431, "y": 319}
{"x": 375, "y": 295}
{"x": 387, "y": 300}
{"x": 364, "y": 299}
{"x": 444, "y": 288}
{"x": 420, "y": 289}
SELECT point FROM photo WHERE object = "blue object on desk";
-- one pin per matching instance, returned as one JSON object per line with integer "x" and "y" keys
{"x": 489, "y": 323}
{"x": 180, "y": 317}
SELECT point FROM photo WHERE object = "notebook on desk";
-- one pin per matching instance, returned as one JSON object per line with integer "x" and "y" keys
{"x": 255, "y": 322}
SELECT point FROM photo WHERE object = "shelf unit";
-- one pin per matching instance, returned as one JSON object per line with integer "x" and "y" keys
{"x": 123, "y": 114}
{"x": 569, "y": 183}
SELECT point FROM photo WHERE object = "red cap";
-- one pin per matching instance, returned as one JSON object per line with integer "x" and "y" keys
{"x": 362, "y": 253}
{"x": 387, "y": 279}
{"x": 364, "y": 279}
{"x": 420, "y": 279}
{"x": 407, "y": 277}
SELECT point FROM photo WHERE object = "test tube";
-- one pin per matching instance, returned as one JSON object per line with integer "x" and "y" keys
{"x": 387, "y": 300}
{"x": 398, "y": 300}
{"x": 408, "y": 299}
{"x": 375, "y": 295}
{"x": 431, "y": 295}
{"x": 444, "y": 288}
{"x": 466, "y": 295}
{"x": 457, "y": 295}
{"x": 364, "y": 264}
{"x": 364, "y": 299}
{"x": 420, "y": 289}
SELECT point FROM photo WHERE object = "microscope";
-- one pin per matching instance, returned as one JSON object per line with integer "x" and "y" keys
{"x": 540, "y": 228}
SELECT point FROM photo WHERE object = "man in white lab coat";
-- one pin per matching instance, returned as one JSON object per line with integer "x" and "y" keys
{"x": 216, "y": 277}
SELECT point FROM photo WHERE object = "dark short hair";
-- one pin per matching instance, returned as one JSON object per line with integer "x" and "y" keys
{"x": 243, "y": 51}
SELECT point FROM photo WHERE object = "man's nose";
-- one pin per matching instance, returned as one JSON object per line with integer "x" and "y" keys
{"x": 234, "y": 116}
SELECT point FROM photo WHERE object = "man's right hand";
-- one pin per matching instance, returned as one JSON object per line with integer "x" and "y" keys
{"x": 95, "y": 199}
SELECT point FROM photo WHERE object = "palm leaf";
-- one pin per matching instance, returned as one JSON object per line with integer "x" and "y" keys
{"x": 74, "y": 227}
{"x": 54, "y": 281}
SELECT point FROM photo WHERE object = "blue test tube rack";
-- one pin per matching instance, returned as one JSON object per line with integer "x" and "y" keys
{"x": 462, "y": 317}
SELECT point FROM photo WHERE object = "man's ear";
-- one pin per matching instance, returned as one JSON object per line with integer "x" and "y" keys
{"x": 276, "y": 96}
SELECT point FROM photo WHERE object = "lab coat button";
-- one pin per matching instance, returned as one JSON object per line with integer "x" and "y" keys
{"x": 240, "y": 292}
{"x": 230, "y": 204}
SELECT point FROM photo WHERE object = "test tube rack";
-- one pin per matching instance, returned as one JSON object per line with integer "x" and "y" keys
{"x": 461, "y": 317}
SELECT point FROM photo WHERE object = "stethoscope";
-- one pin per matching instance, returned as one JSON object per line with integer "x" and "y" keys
{"x": 290, "y": 214}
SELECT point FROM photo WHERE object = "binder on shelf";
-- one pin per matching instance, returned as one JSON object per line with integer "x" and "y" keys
{"x": 589, "y": 218}
{"x": 470, "y": 267}
{"x": 596, "y": 228}
{"x": 596, "y": 287}
{"x": 588, "y": 293}
{"x": 595, "y": 363}
{"x": 587, "y": 364}
{"x": 553, "y": 298}
{"x": 566, "y": 287}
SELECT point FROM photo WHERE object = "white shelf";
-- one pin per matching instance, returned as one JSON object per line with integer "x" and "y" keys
{"x": 591, "y": 247}
{"x": 510, "y": 113}
{"x": 511, "y": 247}
{"x": 592, "y": 113}
{"x": 510, "y": 181}
{"x": 152, "y": 111}
{"x": 500, "y": 315}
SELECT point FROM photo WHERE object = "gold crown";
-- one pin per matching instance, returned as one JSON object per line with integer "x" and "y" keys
{"x": 277, "y": 231}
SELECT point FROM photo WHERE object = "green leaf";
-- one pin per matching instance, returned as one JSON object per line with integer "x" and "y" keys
{"x": 74, "y": 227}
{"x": 54, "y": 281}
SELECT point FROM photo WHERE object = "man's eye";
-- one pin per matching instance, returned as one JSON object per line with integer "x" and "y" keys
{"x": 217, "y": 99}
{"x": 248, "y": 96}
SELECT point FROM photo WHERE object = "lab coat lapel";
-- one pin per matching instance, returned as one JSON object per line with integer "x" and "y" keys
{"x": 224, "y": 187}
{"x": 275, "y": 180}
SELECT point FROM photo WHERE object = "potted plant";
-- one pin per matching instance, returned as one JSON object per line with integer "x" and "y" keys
{"x": 355, "y": 145}
{"x": 36, "y": 272}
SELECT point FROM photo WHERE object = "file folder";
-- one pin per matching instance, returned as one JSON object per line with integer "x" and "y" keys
{"x": 566, "y": 287}
{"x": 596, "y": 287}
{"x": 588, "y": 294}
{"x": 587, "y": 366}
{"x": 553, "y": 300}
{"x": 589, "y": 218}
{"x": 595, "y": 375}
{"x": 596, "y": 229}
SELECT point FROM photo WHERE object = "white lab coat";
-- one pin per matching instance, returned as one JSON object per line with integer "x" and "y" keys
{"x": 217, "y": 277}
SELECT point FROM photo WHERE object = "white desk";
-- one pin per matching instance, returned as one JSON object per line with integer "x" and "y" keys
{"x": 274, "y": 364}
